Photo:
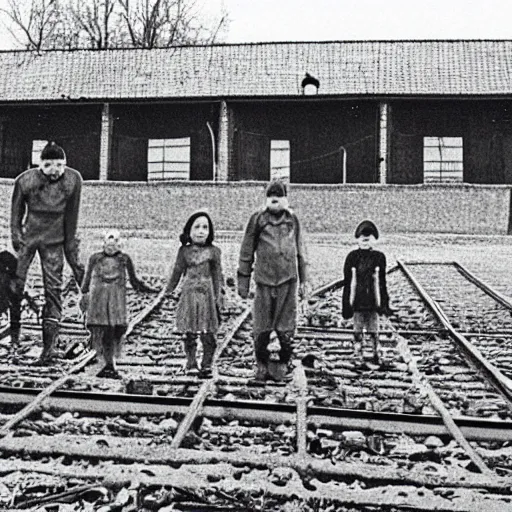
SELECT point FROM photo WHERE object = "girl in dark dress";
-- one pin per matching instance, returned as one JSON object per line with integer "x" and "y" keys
{"x": 198, "y": 266}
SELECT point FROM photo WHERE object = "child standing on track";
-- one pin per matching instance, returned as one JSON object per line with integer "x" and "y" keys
{"x": 104, "y": 299}
{"x": 199, "y": 263}
{"x": 365, "y": 294}
{"x": 274, "y": 236}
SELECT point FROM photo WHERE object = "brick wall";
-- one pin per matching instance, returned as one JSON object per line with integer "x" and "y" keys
{"x": 471, "y": 209}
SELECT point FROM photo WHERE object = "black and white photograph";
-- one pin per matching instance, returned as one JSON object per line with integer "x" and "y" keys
{"x": 255, "y": 256}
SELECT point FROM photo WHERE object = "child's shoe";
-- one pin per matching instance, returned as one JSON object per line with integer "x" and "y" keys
{"x": 358, "y": 355}
{"x": 108, "y": 372}
{"x": 205, "y": 373}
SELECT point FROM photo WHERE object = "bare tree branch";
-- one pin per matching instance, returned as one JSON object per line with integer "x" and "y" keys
{"x": 101, "y": 24}
{"x": 31, "y": 23}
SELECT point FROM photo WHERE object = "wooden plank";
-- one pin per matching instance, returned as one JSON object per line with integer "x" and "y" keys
{"x": 438, "y": 405}
{"x": 325, "y": 495}
{"x": 36, "y": 403}
{"x": 144, "y": 450}
{"x": 301, "y": 382}
{"x": 206, "y": 387}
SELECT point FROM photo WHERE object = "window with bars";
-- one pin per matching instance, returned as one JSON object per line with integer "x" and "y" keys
{"x": 37, "y": 147}
{"x": 442, "y": 160}
{"x": 169, "y": 159}
{"x": 280, "y": 159}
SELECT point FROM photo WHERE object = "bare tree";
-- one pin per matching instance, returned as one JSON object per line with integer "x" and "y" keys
{"x": 164, "y": 23}
{"x": 32, "y": 24}
{"x": 95, "y": 21}
{"x": 101, "y": 24}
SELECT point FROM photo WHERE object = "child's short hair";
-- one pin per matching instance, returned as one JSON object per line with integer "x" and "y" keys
{"x": 277, "y": 188}
{"x": 185, "y": 235}
{"x": 367, "y": 228}
{"x": 52, "y": 151}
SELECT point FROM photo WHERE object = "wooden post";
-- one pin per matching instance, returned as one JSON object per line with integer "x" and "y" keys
{"x": 302, "y": 410}
{"x": 383, "y": 142}
{"x": 223, "y": 143}
{"x": 105, "y": 141}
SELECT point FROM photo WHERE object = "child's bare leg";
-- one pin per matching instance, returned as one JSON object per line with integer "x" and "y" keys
{"x": 377, "y": 350}
{"x": 96, "y": 340}
{"x": 373, "y": 330}
{"x": 358, "y": 337}
{"x": 108, "y": 349}
{"x": 358, "y": 346}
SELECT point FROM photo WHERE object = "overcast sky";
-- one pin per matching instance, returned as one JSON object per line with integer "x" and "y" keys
{"x": 325, "y": 20}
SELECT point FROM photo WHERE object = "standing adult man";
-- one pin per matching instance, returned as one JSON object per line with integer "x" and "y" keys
{"x": 44, "y": 215}
{"x": 273, "y": 238}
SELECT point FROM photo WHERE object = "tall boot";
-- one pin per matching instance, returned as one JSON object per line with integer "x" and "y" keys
{"x": 109, "y": 342}
{"x": 50, "y": 335}
{"x": 286, "y": 341}
{"x": 209, "y": 345}
{"x": 261, "y": 373}
{"x": 15, "y": 317}
{"x": 261, "y": 342}
{"x": 282, "y": 369}
{"x": 190, "y": 345}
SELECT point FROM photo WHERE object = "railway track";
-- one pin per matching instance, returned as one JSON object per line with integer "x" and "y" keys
{"x": 336, "y": 438}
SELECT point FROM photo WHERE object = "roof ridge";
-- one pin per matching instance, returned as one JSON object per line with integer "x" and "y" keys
{"x": 261, "y": 43}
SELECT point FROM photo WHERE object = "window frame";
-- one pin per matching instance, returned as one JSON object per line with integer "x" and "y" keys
{"x": 448, "y": 166}
{"x": 162, "y": 169}
{"x": 275, "y": 149}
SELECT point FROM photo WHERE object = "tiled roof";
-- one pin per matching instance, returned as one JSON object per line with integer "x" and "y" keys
{"x": 395, "y": 68}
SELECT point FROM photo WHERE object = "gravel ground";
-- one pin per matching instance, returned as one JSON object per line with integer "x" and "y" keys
{"x": 487, "y": 257}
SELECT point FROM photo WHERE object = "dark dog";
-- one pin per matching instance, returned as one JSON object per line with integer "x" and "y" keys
{"x": 8, "y": 266}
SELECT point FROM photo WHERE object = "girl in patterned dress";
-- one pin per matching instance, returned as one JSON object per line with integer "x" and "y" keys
{"x": 198, "y": 266}
{"x": 104, "y": 299}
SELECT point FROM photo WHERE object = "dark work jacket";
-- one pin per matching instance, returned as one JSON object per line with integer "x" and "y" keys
{"x": 277, "y": 243}
{"x": 365, "y": 261}
{"x": 51, "y": 208}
